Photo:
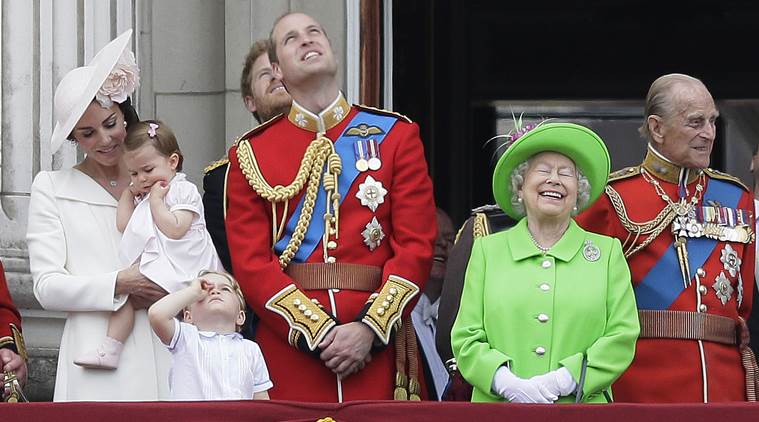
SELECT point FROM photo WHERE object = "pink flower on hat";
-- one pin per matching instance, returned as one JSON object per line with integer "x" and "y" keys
{"x": 121, "y": 82}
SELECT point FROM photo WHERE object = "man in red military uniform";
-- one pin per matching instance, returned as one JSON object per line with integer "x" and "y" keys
{"x": 331, "y": 230}
{"x": 688, "y": 235}
{"x": 12, "y": 350}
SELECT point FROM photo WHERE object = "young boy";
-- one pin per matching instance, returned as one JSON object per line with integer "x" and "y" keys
{"x": 211, "y": 360}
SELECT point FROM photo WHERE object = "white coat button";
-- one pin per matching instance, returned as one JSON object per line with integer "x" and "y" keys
{"x": 702, "y": 289}
{"x": 543, "y": 318}
{"x": 545, "y": 287}
{"x": 702, "y": 307}
{"x": 701, "y": 272}
{"x": 540, "y": 350}
{"x": 546, "y": 264}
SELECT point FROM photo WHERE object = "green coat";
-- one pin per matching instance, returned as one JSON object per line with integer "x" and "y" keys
{"x": 518, "y": 303}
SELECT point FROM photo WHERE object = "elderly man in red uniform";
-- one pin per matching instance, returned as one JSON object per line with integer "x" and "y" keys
{"x": 12, "y": 350}
{"x": 688, "y": 235}
{"x": 331, "y": 229}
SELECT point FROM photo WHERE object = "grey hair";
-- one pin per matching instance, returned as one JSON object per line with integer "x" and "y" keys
{"x": 660, "y": 100}
{"x": 517, "y": 181}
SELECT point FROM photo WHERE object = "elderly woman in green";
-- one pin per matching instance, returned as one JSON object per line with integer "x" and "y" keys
{"x": 548, "y": 312}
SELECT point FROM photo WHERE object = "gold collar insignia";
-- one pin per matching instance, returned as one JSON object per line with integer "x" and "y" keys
{"x": 664, "y": 169}
{"x": 325, "y": 120}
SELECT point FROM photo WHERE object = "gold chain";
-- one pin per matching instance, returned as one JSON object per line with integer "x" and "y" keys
{"x": 319, "y": 151}
{"x": 682, "y": 207}
{"x": 652, "y": 228}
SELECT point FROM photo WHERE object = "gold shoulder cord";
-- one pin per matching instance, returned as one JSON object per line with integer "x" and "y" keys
{"x": 652, "y": 228}
{"x": 480, "y": 228}
{"x": 320, "y": 151}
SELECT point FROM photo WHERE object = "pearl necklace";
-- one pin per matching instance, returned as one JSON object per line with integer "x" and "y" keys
{"x": 542, "y": 248}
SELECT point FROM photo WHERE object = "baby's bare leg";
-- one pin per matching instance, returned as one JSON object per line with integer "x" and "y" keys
{"x": 122, "y": 322}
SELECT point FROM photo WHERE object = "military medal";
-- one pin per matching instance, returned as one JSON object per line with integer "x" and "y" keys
{"x": 732, "y": 264}
{"x": 371, "y": 193}
{"x": 373, "y": 234}
{"x": 359, "y": 151}
{"x": 723, "y": 288}
{"x": 374, "y": 161}
{"x": 591, "y": 251}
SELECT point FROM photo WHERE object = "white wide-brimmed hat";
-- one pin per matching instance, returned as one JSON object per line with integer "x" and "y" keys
{"x": 80, "y": 86}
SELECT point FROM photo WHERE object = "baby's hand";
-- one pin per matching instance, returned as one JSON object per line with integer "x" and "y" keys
{"x": 134, "y": 190}
{"x": 159, "y": 189}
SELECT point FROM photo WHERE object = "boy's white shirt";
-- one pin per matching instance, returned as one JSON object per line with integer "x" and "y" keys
{"x": 211, "y": 366}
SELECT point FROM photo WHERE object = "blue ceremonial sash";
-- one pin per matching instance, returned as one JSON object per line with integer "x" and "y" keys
{"x": 663, "y": 284}
{"x": 344, "y": 148}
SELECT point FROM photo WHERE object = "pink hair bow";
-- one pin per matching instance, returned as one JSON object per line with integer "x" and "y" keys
{"x": 151, "y": 129}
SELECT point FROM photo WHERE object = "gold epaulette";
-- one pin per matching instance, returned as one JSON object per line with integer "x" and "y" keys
{"x": 387, "y": 306}
{"x": 383, "y": 112}
{"x": 624, "y": 173}
{"x": 481, "y": 227}
{"x": 216, "y": 164}
{"x": 724, "y": 176}
{"x": 259, "y": 128}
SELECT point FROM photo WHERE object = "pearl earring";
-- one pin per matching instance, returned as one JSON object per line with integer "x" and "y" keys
{"x": 519, "y": 199}
{"x": 125, "y": 123}
{"x": 574, "y": 208}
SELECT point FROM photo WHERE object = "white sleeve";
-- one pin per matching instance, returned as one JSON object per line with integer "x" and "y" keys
{"x": 54, "y": 287}
{"x": 184, "y": 195}
{"x": 261, "y": 381}
{"x": 184, "y": 334}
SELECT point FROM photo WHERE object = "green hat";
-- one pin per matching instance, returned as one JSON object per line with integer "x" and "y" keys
{"x": 579, "y": 143}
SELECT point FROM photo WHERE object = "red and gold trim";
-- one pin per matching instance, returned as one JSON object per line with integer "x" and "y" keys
{"x": 325, "y": 120}
{"x": 15, "y": 342}
{"x": 386, "y": 309}
{"x": 302, "y": 315}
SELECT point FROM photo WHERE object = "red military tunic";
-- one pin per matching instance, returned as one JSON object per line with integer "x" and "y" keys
{"x": 404, "y": 255}
{"x": 668, "y": 369}
{"x": 10, "y": 321}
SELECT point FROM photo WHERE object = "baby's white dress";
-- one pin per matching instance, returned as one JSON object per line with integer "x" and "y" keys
{"x": 170, "y": 263}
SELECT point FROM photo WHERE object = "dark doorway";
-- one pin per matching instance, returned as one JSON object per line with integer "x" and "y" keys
{"x": 455, "y": 62}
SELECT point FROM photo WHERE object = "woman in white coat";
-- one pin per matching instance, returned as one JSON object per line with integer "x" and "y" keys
{"x": 73, "y": 240}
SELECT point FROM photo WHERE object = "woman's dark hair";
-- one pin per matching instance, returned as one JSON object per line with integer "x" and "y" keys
{"x": 130, "y": 114}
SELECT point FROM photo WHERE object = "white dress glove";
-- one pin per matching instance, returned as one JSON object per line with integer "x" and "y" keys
{"x": 520, "y": 390}
{"x": 558, "y": 382}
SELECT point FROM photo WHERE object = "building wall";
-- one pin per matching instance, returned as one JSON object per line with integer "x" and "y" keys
{"x": 190, "y": 53}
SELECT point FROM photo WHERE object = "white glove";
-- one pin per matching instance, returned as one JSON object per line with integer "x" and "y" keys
{"x": 558, "y": 382}
{"x": 520, "y": 390}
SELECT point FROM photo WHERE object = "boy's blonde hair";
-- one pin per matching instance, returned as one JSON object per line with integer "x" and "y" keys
{"x": 235, "y": 287}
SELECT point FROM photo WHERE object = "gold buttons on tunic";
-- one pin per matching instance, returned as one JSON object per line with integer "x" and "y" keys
{"x": 543, "y": 318}
{"x": 540, "y": 350}
{"x": 702, "y": 307}
{"x": 545, "y": 287}
{"x": 546, "y": 264}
